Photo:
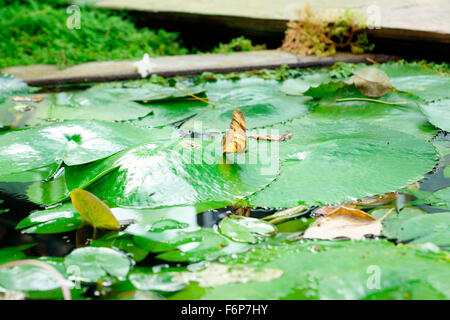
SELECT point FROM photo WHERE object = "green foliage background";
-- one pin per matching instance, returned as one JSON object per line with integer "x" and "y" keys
{"x": 35, "y": 32}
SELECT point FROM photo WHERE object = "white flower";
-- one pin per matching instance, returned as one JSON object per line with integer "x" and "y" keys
{"x": 144, "y": 66}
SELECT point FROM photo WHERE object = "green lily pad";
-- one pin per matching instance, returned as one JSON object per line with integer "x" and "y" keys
{"x": 442, "y": 198}
{"x": 48, "y": 192}
{"x": 327, "y": 270}
{"x": 59, "y": 219}
{"x": 10, "y": 85}
{"x": 95, "y": 263}
{"x": 35, "y": 282}
{"x": 108, "y": 104}
{"x": 442, "y": 146}
{"x": 327, "y": 163}
{"x": 147, "y": 92}
{"x": 183, "y": 172}
{"x": 299, "y": 86}
{"x": 413, "y": 225}
{"x": 87, "y": 105}
{"x": 407, "y": 118}
{"x": 433, "y": 228}
{"x": 261, "y": 101}
{"x": 438, "y": 113}
{"x": 161, "y": 282}
{"x": 13, "y": 253}
{"x": 74, "y": 142}
{"x": 244, "y": 229}
{"x": 121, "y": 242}
{"x": 33, "y": 175}
{"x": 417, "y": 79}
{"x": 65, "y": 218}
{"x": 160, "y": 94}
{"x": 447, "y": 172}
{"x": 438, "y": 199}
{"x": 393, "y": 222}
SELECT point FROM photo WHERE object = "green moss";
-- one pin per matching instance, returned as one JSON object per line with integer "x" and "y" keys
{"x": 35, "y": 32}
{"x": 237, "y": 45}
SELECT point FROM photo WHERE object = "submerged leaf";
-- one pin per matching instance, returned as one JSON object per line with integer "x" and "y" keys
{"x": 93, "y": 210}
{"x": 345, "y": 223}
{"x": 219, "y": 274}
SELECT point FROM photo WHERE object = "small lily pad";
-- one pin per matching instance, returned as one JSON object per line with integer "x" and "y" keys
{"x": 95, "y": 263}
{"x": 244, "y": 229}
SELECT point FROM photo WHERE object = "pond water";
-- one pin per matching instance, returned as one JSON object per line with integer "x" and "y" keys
{"x": 135, "y": 145}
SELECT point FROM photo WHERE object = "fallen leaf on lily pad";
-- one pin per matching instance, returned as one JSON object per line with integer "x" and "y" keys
{"x": 345, "y": 223}
{"x": 36, "y": 98}
{"x": 235, "y": 139}
{"x": 272, "y": 137}
{"x": 372, "y": 82}
{"x": 93, "y": 210}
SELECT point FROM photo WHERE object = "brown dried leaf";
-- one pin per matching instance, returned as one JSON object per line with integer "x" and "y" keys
{"x": 271, "y": 137}
{"x": 372, "y": 82}
{"x": 235, "y": 139}
{"x": 345, "y": 223}
{"x": 36, "y": 98}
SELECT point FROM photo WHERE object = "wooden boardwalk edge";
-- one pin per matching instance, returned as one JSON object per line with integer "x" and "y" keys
{"x": 48, "y": 75}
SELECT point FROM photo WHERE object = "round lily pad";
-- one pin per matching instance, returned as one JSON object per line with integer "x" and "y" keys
{"x": 93, "y": 263}
{"x": 438, "y": 113}
{"x": 333, "y": 162}
{"x": 261, "y": 101}
{"x": 74, "y": 142}
{"x": 182, "y": 172}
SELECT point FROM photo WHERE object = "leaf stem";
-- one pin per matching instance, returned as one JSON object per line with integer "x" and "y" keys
{"x": 195, "y": 97}
{"x": 371, "y": 100}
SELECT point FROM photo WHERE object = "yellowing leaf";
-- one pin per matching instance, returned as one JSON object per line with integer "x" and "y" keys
{"x": 235, "y": 139}
{"x": 372, "y": 82}
{"x": 345, "y": 223}
{"x": 93, "y": 210}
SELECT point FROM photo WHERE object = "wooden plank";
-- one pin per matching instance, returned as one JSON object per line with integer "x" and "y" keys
{"x": 398, "y": 19}
{"x": 45, "y": 75}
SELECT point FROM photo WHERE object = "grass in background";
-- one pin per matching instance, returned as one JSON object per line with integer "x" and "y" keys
{"x": 35, "y": 32}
